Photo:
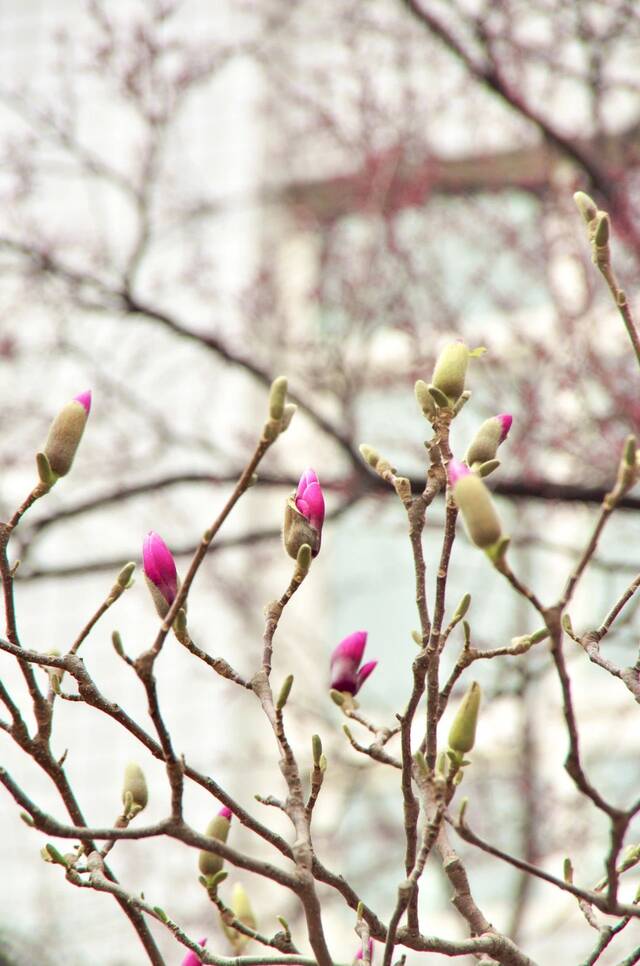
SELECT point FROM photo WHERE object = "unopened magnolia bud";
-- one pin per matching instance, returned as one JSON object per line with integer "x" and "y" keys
{"x": 65, "y": 434}
{"x": 586, "y": 206}
{"x": 277, "y": 397}
{"x": 463, "y": 730}
{"x": 241, "y": 908}
{"x": 304, "y": 516}
{"x": 476, "y": 506}
{"x": 487, "y": 439}
{"x": 451, "y": 370}
{"x": 160, "y": 572}
{"x": 134, "y": 790}
{"x": 425, "y": 399}
{"x": 218, "y": 828}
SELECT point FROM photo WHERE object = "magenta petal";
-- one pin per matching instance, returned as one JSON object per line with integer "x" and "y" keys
{"x": 225, "y": 812}
{"x": 456, "y": 470}
{"x": 84, "y": 398}
{"x": 505, "y": 420}
{"x": 307, "y": 477}
{"x": 303, "y": 507}
{"x": 159, "y": 566}
{"x": 364, "y": 673}
{"x": 351, "y": 648}
{"x": 344, "y": 675}
{"x": 315, "y": 501}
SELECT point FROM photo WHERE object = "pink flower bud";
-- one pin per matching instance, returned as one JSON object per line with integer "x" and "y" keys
{"x": 191, "y": 958}
{"x": 304, "y": 516}
{"x": 160, "y": 571}
{"x": 346, "y": 673}
{"x": 505, "y": 420}
{"x": 456, "y": 471}
{"x": 309, "y": 499}
{"x": 84, "y": 398}
{"x": 65, "y": 434}
{"x": 226, "y": 813}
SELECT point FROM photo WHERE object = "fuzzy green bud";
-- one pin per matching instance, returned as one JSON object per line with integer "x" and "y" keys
{"x": 485, "y": 443}
{"x": 277, "y": 397}
{"x": 462, "y": 734}
{"x": 316, "y": 749}
{"x": 241, "y": 908}
{"x": 285, "y": 690}
{"x": 135, "y": 794}
{"x": 303, "y": 560}
{"x": 218, "y": 828}
{"x": 451, "y": 370}
{"x": 65, "y": 434}
{"x": 601, "y": 231}
{"x": 586, "y": 206}
{"x": 476, "y": 506}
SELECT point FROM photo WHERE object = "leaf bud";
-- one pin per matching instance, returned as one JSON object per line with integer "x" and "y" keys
{"x": 425, "y": 399}
{"x": 586, "y": 206}
{"x": 277, "y": 397}
{"x": 462, "y": 734}
{"x": 285, "y": 690}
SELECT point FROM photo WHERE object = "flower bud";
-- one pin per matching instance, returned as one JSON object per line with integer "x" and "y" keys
{"x": 451, "y": 370}
{"x": 346, "y": 673}
{"x": 191, "y": 959}
{"x": 218, "y": 828}
{"x": 277, "y": 397}
{"x": 135, "y": 794}
{"x": 304, "y": 516}
{"x": 243, "y": 912}
{"x": 475, "y": 504}
{"x": 463, "y": 730}
{"x": 65, "y": 434}
{"x": 160, "y": 572}
{"x": 486, "y": 441}
{"x": 586, "y": 206}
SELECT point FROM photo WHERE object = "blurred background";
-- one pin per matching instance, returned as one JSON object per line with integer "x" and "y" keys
{"x": 198, "y": 197}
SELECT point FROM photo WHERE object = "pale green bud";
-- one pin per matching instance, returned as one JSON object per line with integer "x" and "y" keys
{"x": 64, "y": 436}
{"x": 586, "y": 206}
{"x": 218, "y": 828}
{"x": 277, "y": 397}
{"x": 463, "y": 730}
{"x": 478, "y": 512}
{"x": 135, "y": 794}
